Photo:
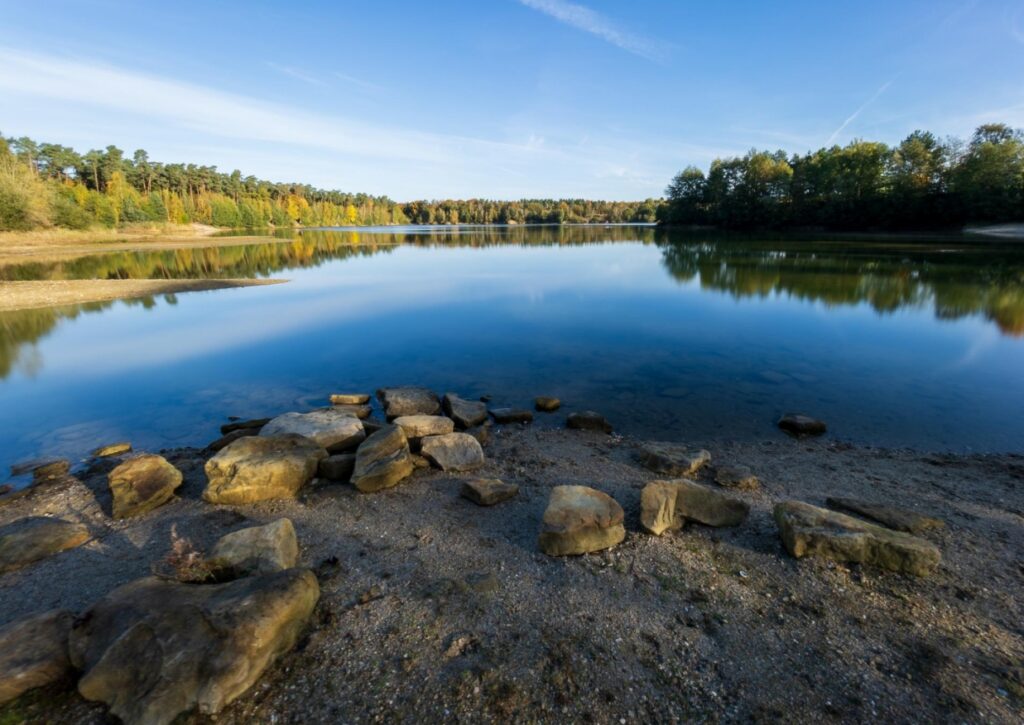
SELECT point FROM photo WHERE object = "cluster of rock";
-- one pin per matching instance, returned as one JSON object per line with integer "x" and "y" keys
{"x": 155, "y": 648}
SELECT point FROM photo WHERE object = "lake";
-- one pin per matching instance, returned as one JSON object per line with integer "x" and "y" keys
{"x": 894, "y": 342}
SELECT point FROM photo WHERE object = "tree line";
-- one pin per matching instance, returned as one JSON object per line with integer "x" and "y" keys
{"x": 50, "y": 185}
{"x": 922, "y": 183}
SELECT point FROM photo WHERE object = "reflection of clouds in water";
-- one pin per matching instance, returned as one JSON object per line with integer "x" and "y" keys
{"x": 985, "y": 338}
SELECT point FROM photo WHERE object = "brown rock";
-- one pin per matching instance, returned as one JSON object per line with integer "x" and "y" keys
{"x": 142, "y": 483}
{"x": 811, "y": 531}
{"x": 738, "y": 477}
{"x": 28, "y": 540}
{"x": 51, "y": 470}
{"x": 579, "y": 520}
{"x": 47, "y": 466}
{"x": 488, "y": 491}
{"x": 465, "y": 413}
{"x": 356, "y": 411}
{"x": 225, "y": 440}
{"x": 588, "y": 420}
{"x": 114, "y": 449}
{"x": 34, "y": 653}
{"x": 667, "y": 505}
{"x": 416, "y": 427}
{"x": 257, "y": 550}
{"x": 408, "y": 401}
{"x": 895, "y": 518}
{"x": 505, "y": 416}
{"x": 153, "y": 649}
{"x": 481, "y": 432}
{"x": 382, "y": 460}
{"x": 336, "y": 431}
{"x": 672, "y": 459}
{"x": 259, "y": 468}
{"x": 801, "y": 425}
{"x": 350, "y": 399}
{"x": 338, "y": 467}
{"x": 256, "y": 423}
{"x": 453, "y": 452}
{"x": 546, "y": 405}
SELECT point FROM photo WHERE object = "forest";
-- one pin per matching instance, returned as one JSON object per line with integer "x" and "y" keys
{"x": 922, "y": 183}
{"x": 46, "y": 185}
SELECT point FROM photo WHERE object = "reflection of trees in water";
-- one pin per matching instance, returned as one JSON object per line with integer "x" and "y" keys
{"x": 957, "y": 279}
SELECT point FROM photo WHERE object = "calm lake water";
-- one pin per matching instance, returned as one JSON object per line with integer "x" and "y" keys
{"x": 894, "y": 343}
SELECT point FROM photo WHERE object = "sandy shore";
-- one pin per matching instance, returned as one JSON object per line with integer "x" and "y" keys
{"x": 55, "y": 293}
{"x": 436, "y": 610}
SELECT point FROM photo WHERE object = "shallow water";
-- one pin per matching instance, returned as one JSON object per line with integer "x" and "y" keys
{"x": 893, "y": 342}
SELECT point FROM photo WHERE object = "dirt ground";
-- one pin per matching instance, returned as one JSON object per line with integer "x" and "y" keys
{"x": 434, "y": 609}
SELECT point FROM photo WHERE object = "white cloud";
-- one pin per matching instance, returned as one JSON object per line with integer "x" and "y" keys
{"x": 296, "y": 74}
{"x": 853, "y": 116}
{"x": 593, "y": 22}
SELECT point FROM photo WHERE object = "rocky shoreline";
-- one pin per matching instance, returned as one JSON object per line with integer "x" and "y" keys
{"x": 448, "y": 561}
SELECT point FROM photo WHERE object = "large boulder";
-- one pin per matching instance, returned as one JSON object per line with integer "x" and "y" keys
{"x": 802, "y": 425}
{"x": 382, "y": 460}
{"x": 488, "y": 491}
{"x": 807, "y": 530}
{"x": 453, "y": 452}
{"x": 257, "y": 550}
{"x": 142, "y": 483}
{"x": 335, "y": 430}
{"x": 34, "y": 653}
{"x": 667, "y": 505}
{"x": 408, "y": 401}
{"x": 28, "y": 540}
{"x": 672, "y": 459}
{"x": 261, "y": 468}
{"x": 588, "y": 420}
{"x": 154, "y": 649}
{"x": 465, "y": 413}
{"x": 416, "y": 427}
{"x": 579, "y": 520}
{"x": 895, "y": 518}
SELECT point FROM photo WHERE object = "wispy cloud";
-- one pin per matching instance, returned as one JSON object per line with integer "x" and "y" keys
{"x": 853, "y": 116}
{"x": 593, "y": 22}
{"x": 357, "y": 82}
{"x": 296, "y": 74}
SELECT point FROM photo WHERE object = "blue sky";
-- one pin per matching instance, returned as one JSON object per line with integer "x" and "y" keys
{"x": 500, "y": 98}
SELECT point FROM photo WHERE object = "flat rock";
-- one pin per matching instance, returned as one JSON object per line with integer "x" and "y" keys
{"x": 802, "y": 425}
{"x": 28, "y": 540}
{"x": 453, "y": 452}
{"x": 256, "y": 423}
{"x": 34, "y": 653}
{"x": 408, "y": 401}
{"x": 895, "y": 518}
{"x": 41, "y": 464}
{"x": 335, "y": 431}
{"x": 546, "y": 404}
{"x": 382, "y": 460}
{"x": 142, "y": 483}
{"x": 588, "y": 420}
{"x": 114, "y": 449}
{"x": 421, "y": 426}
{"x": 350, "y": 399}
{"x": 465, "y": 413}
{"x": 260, "y": 468}
{"x": 673, "y": 459}
{"x": 488, "y": 491}
{"x": 667, "y": 505}
{"x": 505, "y": 416}
{"x": 51, "y": 470}
{"x": 154, "y": 649}
{"x": 227, "y": 439}
{"x": 257, "y": 550}
{"x": 738, "y": 477}
{"x": 338, "y": 467}
{"x": 807, "y": 530}
{"x": 356, "y": 411}
{"x": 579, "y": 520}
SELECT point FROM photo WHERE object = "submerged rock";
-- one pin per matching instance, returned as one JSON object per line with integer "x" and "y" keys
{"x": 334, "y": 430}
{"x": 153, "y": 649}
{"x": 350, "y": 399}
{"x": 453, "y": 452}
{"x": 34, "y": 653}
{"x": 42, "y": 468}
{"x": 895, "y": 518}
{"x": 256, "y": 423}
{"x": 667, "y": 505}
{"x": 382, "y": 460}
{"x": 408, "y": 401}
{"x": 802, "y": 425}
{"x": 488, "y": 491}
{"x": 511, "y": 415}
{"x": 465, "y": 413}
{"x": 257, "y": 550}
{"x": 338, "y": 467}
{"x": 673, "y": 459}
{"x": 261, "y": 468}
{"x": 738, "y": 477}
{"x": 546, "y": 405}
{"x": 114, "y": 449}
{"x": 807, "y": 530}
{"x": 30, "y": 539}
{"x": 588, "y": 420}
{"x": 579, "y": 520}
{"x": 421, "y": 426}
{"x": 141, "y": 484}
